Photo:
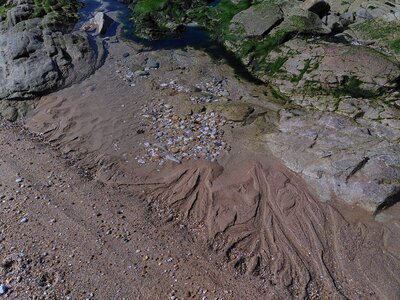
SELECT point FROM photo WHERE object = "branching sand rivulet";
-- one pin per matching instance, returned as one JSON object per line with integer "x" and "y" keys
{"x": 266, "y": 222}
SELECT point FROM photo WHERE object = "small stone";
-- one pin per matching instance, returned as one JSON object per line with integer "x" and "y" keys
{"x": 142, "y": 73}
{"x": 24, "y": 220}
{"x": 125, "y": 55}
{"x": 10, "y": 114}
{"x": 174, "y": 150}
{"x": 155, "y": 158}
{"x": 3, "y": 289}
{"x": 169, "y": 218}
{"x": 152, "y": 64}
{"x": 172, "y": 158}
{"x": 19, "y": 180}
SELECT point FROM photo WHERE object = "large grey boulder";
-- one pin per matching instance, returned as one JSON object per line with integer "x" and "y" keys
{"x": 40, "y": 55}
{"x": 257, "y": 20}
{"x": 35, "y": 62}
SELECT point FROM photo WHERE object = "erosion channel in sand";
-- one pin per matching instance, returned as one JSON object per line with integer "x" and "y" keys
{"x": 244, "y": 203}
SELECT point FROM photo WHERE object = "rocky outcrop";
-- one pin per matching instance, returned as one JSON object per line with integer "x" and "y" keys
{"x": 256, "y": 21}
{"x": 356, "y": 160}
{"x": 318, "y": 67}
{"x": 311, "y": 47}
{"x": 157, "y": 19}
{"x": 41, "y": 54}
{"x": 336, "y": 66}
{"x": 295, "y": 44}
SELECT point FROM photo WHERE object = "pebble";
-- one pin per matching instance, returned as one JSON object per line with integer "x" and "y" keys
{"x": 125, "y": 55}
{"x": 169, "y": 218}
{"x": 19, "y": 180}
{"x": 3, "y": 289}
{"x": 24, "y": 220}
{"x": 172, "y": 158}
{"x": 151, "y": 64}
{"x": 142, "y": 73}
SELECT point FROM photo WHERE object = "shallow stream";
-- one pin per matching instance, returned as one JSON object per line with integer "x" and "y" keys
{"x": 193, "y": 36}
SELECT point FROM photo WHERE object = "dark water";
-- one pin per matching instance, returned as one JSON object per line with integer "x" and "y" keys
{"x": 192, "y": 36}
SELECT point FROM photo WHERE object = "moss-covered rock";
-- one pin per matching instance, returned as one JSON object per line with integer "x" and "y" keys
{"x": 318, "y": 68}
{"x": 345, "y": 49}
{"x": 379, "y": 34}
{"x": 159, "y": 18}
{"x": 63, "y": 13}
{"x": 4, "y": 7}
{"x": 62, "y": 8}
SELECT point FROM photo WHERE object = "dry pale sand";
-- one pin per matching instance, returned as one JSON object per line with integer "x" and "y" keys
{"x": 268, "y": 227}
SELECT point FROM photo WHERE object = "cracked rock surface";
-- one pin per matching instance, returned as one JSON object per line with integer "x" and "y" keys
{"x": 339, "y": 157}
{"x": 39, "y": 54}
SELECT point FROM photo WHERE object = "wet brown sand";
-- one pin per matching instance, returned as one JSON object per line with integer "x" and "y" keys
{"x": 261, "y": 218}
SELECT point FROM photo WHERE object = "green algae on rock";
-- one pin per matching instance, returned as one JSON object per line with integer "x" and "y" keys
{"x": 261, "y": 35}
{"x": 155, "y": 19}
{"x": 381, "y": 34}
{"x": 3, "y": 9}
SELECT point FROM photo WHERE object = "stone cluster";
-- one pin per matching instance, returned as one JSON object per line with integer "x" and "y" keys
{"x": 175, "y": 137}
